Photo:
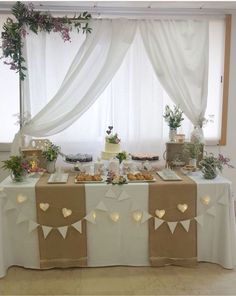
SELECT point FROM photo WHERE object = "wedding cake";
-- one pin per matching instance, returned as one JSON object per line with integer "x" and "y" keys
{"x": 112, "y": 145}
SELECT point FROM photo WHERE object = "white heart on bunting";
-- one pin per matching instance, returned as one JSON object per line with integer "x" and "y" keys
{"x": 66, "y": 212}
{"x": 21, "y": 198}
{"x": 44, "y": 206}
{"x": 160, "y": 213}
{"x": 205, "y": 200}
{"x": 182, "y": 207}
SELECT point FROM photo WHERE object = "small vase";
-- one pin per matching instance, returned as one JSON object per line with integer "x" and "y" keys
{"x": 197, "y": 135}
{"x": 172, "y": 134}
{"x": 17, "y": 177}
{"x": 51, "y": 166}
{"x": 209, "y": 173}
{"x": 193, "y": 162}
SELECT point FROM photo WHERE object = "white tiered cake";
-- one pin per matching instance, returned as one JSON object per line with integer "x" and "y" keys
{"x": 112, "y": 145}
{"x": 111, "y": 150}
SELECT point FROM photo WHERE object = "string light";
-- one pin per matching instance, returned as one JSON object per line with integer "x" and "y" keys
{"x": 114, "y": 216}
{"x": 137, "y": 216}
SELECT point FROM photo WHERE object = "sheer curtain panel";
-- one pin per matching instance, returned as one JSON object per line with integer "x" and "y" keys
{"x": 178, "y": 51}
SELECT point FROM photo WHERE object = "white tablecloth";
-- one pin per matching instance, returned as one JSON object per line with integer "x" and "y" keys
{"x": 124, "y": 242}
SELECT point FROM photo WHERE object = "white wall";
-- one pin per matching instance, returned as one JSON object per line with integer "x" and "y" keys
{"x": 228, "y": 150}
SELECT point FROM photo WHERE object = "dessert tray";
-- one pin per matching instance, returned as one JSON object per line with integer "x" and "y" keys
{"x": 86, "y": 178}
{"x": 144, "y": 156}
{"x": 140, "y": 178}
{"x": 58, "y": 178}
{"x": 168, "y": 175}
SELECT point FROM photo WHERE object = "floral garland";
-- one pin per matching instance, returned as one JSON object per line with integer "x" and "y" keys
{"x": 15, "y": 31}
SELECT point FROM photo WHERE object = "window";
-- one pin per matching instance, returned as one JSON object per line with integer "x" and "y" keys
{"x": 9, "y": 98}
{"x": 133, "y": 102}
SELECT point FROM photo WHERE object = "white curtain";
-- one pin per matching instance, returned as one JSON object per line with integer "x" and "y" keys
{"x": 178, "y": 51}
{"x": 92, "y": 69}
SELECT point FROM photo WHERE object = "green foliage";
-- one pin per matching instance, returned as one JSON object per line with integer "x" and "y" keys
{"x": 173, "y": 117}
{"x": 17, "y": 165}
{"x": 209, "y": 166}
{"x": 193, "y": 150}
{"x": 121, "y": 156}
{"x": 26, "y": 17}
{"x": 51, "y": 153}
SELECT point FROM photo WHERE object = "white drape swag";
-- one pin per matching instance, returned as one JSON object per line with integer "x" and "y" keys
{"x": 92, "y": 69}
{"x": 178, "y": 51}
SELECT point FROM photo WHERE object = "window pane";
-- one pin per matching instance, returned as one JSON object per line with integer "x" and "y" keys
{"x": 9, "y": 98}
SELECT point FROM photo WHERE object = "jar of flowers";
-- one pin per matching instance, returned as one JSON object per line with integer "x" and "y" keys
{"x": 212, "y": 165}
{"x": 174, "y": 119}
{"x": 50, "y": 154}
{"x": 193, "y": 151}
{"x": 17, "y": 166}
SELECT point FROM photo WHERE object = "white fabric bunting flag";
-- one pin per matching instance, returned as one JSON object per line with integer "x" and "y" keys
{"x": 32, "y": 225}
{"x": 21, "y": 218}
{"x": 9, "y": 206}
{"x": 158, "y": 222}
{"x": 212, "y": 211}
{"x": 146, "y": 216}
{"x": 78, "y": 226}
{"x": 185, "y": 224}
{"x": 223, "y": 200}
{"x": 63, "y": 230}
{"x": 110, "y": 193}
{"x": 46, "y": 230}
{"x": 123, "y": 196}
{"x": 172, "y": 226}
{"x": 91, "y": 217}
{"x": 101, "y": 206}
{"x": 199, "y": 220}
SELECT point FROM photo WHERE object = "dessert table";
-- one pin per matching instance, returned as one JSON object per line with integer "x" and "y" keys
{"x": 113, "y": 235}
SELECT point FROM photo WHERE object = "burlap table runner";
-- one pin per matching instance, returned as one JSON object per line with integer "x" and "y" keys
{"x": 179, "y": 248}
{"x": 54, "y": 250}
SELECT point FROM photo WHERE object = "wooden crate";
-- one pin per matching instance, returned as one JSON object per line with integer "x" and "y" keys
{"x": 31, "y": 153}
{"x": 174, "y": 151}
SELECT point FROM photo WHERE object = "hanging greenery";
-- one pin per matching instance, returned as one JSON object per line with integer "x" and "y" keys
{"x": 26, "y": 18}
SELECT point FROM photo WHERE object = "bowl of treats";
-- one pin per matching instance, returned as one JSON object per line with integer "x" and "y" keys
{"x": 188, "y": 169}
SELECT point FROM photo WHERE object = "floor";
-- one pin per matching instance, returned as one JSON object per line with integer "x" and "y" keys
{"x": 205, "y": 279}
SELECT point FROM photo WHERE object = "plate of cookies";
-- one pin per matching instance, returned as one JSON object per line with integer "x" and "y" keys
{"x": 140, "y": 177}
{"x": 87, "y": 178}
